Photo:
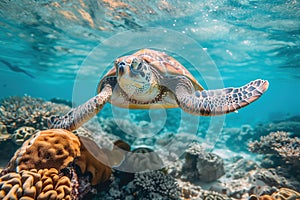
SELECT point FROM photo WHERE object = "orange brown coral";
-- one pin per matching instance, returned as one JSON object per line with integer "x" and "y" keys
{"x": 97, "y": 161}
{"x": 53, "y": 148}
{"x": 33, "y": 184}
{"x": 286, "y": 194}
{"x": 281, "y": 194}
{"x": 88, "y": 162}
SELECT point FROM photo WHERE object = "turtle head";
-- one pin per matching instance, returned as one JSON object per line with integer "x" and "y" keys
{"x": 134, "y": 75}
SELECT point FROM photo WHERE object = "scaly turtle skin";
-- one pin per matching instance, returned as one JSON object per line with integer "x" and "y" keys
{"x": 151, "y": 79}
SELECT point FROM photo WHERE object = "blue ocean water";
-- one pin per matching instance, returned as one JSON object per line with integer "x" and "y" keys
{"x": 45, "y": 43}
{"x": 62, "y": 48}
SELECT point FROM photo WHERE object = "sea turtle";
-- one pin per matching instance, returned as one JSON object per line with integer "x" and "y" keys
{"x": 151, "y": 79}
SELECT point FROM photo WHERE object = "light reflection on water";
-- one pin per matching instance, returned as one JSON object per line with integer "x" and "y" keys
{"x": 246, "y": 39}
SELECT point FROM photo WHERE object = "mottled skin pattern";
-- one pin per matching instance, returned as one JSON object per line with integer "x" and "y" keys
{"x": 151, "y": 79}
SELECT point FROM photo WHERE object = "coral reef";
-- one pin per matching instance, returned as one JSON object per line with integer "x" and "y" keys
{"x": 63, "y": 151}
{"x": 22, "y": 134}
{"x": 278, "y": 143}
{"x": 202, "y": 166}
{"x": 87, "y": 161}
{"x": 53, "y": 148}
{"x": 37, "y": 185}
{"x": 286, "y": 194}
{"x": 17, "y": 111}
{"x": 145, "y": 185}
{"x": 156, "y": 182}
{"x": 3, "y": 133}
{"x": 190, "y": 191}
{"x": 285, "y": 151}
{"x": 281, "y": 194}
{"x": 97, "y": 166}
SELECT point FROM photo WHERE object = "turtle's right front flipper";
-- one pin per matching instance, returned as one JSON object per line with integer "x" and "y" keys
{"x": 220, "y": 101}
{"x": 78, "y": 116}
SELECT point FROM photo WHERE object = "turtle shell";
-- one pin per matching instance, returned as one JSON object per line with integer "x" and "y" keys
{"x": 164, "y": 63}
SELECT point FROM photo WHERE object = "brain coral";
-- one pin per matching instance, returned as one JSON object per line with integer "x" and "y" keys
{"x": 33, "y": 184}
{"x": 21, "y": 134}
{"x": 286, "y": 194}
{"x": 28, "y": 111}
{"x": 93, "y": 160}
{"x": 53, "y": 148}
{"x": 281, "y": 194}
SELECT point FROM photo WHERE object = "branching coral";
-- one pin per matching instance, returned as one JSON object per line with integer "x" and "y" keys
{"x": 36, "y": 185}
{"x": 53, "y": 148}
{"x": 28, "y": 111}
{"x": 278, "y": 143}
{"x": 157, "y": 182}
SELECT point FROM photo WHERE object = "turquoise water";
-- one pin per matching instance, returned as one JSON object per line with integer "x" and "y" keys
{"x": 44, "y": 45}
{"x": 62, "y": 48}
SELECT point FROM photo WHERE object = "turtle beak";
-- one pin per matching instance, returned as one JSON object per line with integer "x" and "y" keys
{"x": 121, "y": 71}
{"x": 121, "y": 68}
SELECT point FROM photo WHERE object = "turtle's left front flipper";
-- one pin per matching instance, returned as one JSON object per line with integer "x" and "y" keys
{"x": 78, "y": 116}
{"x": 220, "y": 101}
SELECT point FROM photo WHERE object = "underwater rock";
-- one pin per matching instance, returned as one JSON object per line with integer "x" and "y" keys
{"x": 140, "y": 160}
{"x": 22, "y": 134}
{"x": 269, "y": 178}
{"x": 210, "y": 167}
{"x": 37, "y": 185}
{"x": 202, "y": 166}
{"x": 18, "y": 111}
{"x": 53, "y": 148}
{"x": 156, "y": 182}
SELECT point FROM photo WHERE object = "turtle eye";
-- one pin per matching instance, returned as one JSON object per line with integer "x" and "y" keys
{"x": 135, "y": 63}
{"x": 140, "y": 65}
